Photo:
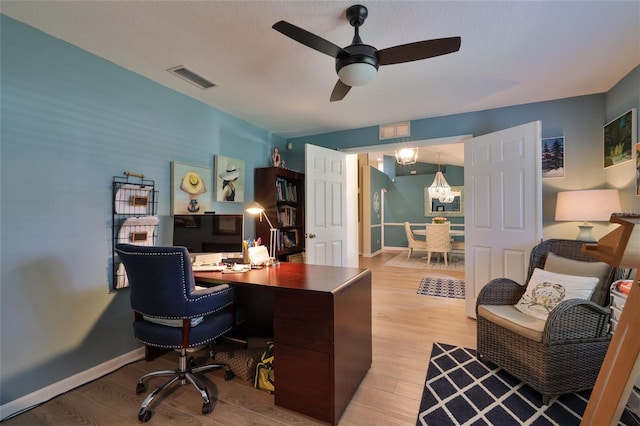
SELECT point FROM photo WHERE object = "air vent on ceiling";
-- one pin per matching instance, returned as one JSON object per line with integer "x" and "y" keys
{"x": 191, "y": 77}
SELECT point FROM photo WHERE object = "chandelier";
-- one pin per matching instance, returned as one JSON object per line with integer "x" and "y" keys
{"x": 440, "y": 189}
{"x": 407, "y": 156}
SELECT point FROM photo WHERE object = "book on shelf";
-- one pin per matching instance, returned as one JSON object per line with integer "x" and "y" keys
{"x": 286, "y": 190}
{"x": 287, "y": 216}
{"x": 288, "y": 239}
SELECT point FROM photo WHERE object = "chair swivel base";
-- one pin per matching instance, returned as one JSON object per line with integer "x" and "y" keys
{"x": 183, "y": 373}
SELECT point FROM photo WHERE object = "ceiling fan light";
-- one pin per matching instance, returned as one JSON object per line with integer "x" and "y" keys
{"x": 357, "y": 73}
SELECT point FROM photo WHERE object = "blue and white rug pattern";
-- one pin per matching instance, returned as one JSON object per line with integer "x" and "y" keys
{"x": 442, "y": 287}
{"x": 460, "y": 390}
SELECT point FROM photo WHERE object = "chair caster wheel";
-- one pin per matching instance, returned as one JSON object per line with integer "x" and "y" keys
{"x": 228, "y": 375}
{"x": 140, "y": 388}
{"x": 192, "y": 362}
{"x": 206, "y": 408}
{"x": 145, "y": 416}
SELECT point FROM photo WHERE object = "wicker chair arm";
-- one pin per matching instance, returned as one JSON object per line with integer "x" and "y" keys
{"x": 500, "y": 291}
{"x": 576, "y": 319}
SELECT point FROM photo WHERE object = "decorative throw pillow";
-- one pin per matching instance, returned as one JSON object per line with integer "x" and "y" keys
{"x": 601, "y": 270}
{"x": 546, "y": 289}
{"x": 564, "y": 265}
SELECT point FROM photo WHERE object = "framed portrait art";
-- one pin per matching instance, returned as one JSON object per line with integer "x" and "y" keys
{"x": 229, "y": 179}
{"x": 190, "y": 189}
{"x": 619, "y": 139}
{"x": 553, "y": 157}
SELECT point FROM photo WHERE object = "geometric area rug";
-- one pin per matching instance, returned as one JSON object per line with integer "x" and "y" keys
{"x": 460, "y": 390}
{"x": 443, "y": 287}
{"x": 417, "y": 261}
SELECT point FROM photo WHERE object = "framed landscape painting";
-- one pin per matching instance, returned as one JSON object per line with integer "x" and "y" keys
{"x": 553, "y": 157}
{"x": 619, "y": 139}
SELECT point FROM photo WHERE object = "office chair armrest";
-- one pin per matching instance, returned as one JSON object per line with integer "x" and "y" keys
{"x": 207, "y": 301}
{"x": 500, "y": 291}
{"x": 203, "y": 291}
{"x": 576, "y": 319}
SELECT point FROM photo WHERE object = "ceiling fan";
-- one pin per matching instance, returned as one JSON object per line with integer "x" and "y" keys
{"x": 358, "y": 63}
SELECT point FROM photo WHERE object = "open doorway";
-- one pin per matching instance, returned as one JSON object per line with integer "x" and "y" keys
{"x": 445, "y": 151}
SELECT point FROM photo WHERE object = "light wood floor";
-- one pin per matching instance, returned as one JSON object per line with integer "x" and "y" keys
{"x": 405, "y": 325}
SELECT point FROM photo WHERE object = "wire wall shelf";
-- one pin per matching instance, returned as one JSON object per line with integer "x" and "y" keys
{"x": 134, "y": 218}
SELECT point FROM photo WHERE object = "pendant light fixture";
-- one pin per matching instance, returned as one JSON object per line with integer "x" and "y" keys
{"x": 440, "y": 188}
{"x": 407, "y": 156}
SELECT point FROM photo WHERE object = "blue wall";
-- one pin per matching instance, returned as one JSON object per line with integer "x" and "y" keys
{"x": 70, "y": 122}
{"x": 578, "y": 119}
{"x": 378, "y": 181}
{"x": 404, "y": 202}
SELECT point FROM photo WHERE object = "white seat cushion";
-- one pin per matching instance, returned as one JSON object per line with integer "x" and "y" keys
{"x": 512, "y": 319}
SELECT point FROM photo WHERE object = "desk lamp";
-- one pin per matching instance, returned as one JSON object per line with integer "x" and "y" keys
{"x": 587, "y": 205}
{"x": 256, "y": 208}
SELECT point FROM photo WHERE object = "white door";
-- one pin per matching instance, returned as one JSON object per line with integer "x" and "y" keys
{"x": 503, "y": 206}
{"x": 326, "y": 206}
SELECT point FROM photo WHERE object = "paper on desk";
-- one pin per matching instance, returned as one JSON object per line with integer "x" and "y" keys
{"x": 208, "y": 259}
{"x": 237, "y": 268}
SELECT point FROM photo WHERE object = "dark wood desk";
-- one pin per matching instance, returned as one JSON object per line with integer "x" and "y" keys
{"x": 321, "y": 329}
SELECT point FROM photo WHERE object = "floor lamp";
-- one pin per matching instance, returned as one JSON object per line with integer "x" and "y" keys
{"x": 256, "y": 208}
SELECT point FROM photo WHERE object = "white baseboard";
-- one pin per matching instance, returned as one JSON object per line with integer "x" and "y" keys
{"x": 26, "y": 402}
{"x": 392, "y": 248}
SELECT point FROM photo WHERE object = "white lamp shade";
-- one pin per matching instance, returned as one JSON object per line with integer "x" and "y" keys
{"x": 588, "y": 205}
{"x": 254, "y": 208}
{"x": 357, "y": 74}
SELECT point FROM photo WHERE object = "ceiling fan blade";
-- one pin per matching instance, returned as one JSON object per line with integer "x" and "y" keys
{"x": 309, "y": 39}
{"x": 418, "y": 50}
{"x": 340, "y": 90}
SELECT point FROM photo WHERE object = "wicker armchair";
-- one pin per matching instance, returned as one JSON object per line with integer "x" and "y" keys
{"x": 567, "y": 354}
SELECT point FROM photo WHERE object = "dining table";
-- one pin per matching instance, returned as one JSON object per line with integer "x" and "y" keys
{"x": 452, "y": 232}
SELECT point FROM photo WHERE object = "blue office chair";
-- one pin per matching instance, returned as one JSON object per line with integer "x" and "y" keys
{"x": 171, "y": 313}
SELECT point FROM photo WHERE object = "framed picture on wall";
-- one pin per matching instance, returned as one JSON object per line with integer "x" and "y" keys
{"x": 229, "y": 180}
{"x": 619, "y": 139}
{"x": 553, "y": 157}
{"x": 190, "y": 191}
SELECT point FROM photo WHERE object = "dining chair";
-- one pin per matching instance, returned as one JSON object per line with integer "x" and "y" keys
{"x": 438, "y": 240}
{"x": 414, "y": 243}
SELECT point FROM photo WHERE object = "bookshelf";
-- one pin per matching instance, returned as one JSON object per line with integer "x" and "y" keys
{"x": 281, "y": 193}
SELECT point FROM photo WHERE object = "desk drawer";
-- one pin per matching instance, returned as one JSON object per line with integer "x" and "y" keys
{"x": 312, "y": 306}
{"x": 303, "y": 381}
{"x": 304, "y": 334}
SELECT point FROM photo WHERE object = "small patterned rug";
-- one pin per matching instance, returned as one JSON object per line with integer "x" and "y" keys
{"x": 442, "y": 287}
{"x": 417, "y": 261}
{"x": 460, "y": 390}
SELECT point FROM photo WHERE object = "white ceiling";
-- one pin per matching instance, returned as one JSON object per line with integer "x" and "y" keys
{"x": 513, "y": 52}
